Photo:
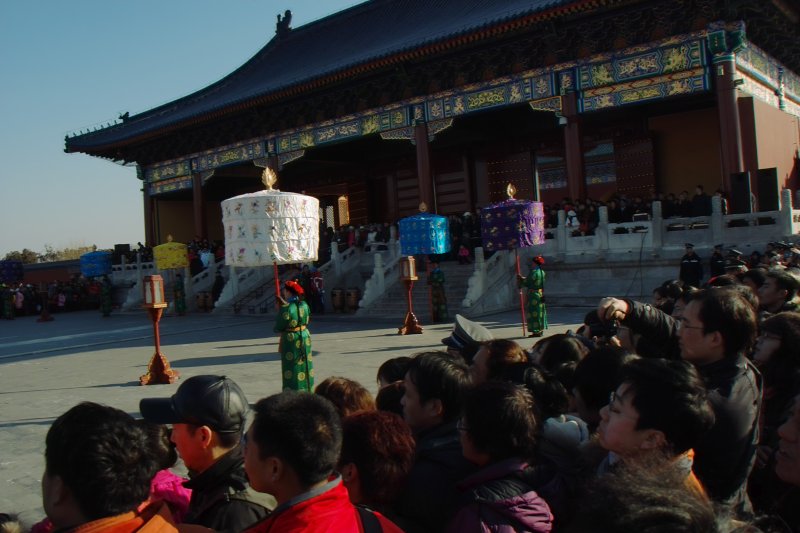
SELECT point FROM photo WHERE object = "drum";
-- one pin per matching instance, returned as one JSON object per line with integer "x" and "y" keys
{"x": 353, "y": 296}
{"x": 337, "y": 299}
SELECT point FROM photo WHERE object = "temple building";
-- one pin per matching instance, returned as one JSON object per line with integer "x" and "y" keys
{"x": 391, "y": 103}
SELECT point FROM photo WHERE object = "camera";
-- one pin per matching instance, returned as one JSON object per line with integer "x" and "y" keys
{"x": 602, "y": 329}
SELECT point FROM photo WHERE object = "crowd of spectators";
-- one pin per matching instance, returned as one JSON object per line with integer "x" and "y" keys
{"x": 77, "y": 294}
{"x": 679, "y": 414}
{"x": 583, "y": 216}
{"x": 202, "y": 253}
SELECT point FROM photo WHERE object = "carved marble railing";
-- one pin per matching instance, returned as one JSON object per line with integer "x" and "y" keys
{"x": 241, "y": 281}
{"x": 383, "y": 277}
{"x": 487, "y": 274}
{"x": 658, "y": 234}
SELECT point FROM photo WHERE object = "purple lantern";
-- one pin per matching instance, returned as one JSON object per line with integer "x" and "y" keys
{"x": 510, "y": 225}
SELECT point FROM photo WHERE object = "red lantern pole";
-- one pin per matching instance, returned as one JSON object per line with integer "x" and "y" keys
{"x": 277, "y": 285}
{"x": 409, "y": 275}
{"x": 521, "y": 294}
{"x": 158, "y": 370}
{"x": 430, "y": 287}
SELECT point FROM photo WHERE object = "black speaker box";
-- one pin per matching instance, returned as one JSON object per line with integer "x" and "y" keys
{"x": 739, "y": 201}
{"x": 768, "y": 190}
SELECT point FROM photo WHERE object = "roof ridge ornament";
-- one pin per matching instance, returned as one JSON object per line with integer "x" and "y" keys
{"x": 284, "y": 25}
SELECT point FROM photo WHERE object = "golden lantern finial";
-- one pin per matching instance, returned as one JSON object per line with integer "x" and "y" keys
{"x": 269, "y": 178}
{"x": 423, "y": 207}
{"x": 511, "y": 191}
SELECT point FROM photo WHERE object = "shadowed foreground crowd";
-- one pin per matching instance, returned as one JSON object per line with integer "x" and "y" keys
{"x": 676, "y": 415}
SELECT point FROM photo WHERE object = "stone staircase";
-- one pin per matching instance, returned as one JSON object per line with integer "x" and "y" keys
{"x": 393, "y": 303}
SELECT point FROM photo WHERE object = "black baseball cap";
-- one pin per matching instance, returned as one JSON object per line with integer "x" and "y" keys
{"x": 213, "y": 401}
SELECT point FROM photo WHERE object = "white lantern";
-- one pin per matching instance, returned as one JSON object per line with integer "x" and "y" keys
{"x": 154, "y": 292}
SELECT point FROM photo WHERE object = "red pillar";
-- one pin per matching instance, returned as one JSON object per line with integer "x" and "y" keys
{"x": 573, "y": 146}
{"x": 199, "y": 205}
{"x": 424, "y": 166}
{"x": 730, "y": 129}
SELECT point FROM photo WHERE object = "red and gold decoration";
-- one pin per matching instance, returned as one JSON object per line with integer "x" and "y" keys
{"x": 158, "y": 371}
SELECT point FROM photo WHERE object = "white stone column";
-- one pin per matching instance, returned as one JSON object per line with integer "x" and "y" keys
{"x": 657, "y": 227}
{"x": 188, "y": 288}
{"x": 717, "y": 221}
{"x": 601, "y": 232}
{"x": 787, "y": 223}
{"x": 561, "y": 234}
{"x": 378, "y": 276}
{"x": 336, "y": 258}
{"x": 477, "y": 282}
{"x": 233, "y": 278}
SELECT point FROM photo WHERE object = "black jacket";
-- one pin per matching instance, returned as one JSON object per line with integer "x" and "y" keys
{"x": 726, "y": 454}
{"x": 691, "y": 272}
{"x": 430, "y": 497}
{"x": 658, "y": 329}
{"x": 222, "y": 499}
{"x": 717, "y": 264}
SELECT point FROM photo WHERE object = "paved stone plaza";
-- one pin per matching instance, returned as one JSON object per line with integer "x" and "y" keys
{"x": 46, "y": 368}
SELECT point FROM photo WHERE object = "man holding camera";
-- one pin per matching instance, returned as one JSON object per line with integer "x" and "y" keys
{"x": 717, "y": 329}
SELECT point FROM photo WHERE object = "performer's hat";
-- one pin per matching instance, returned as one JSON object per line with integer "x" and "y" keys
{"x": 734, "y": 251}
{"x": 688, "y": 245}
{"x": 718, "y": 247}
{"x": 213, "y": 401}
{"x": 467, "y": 337}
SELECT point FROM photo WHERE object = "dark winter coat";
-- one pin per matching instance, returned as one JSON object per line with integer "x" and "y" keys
{"x": 725, "y": 455}
{"x": 222, "y": 499}
{"x": 430, "y": 497}
{"x": 691, "y": 272}
{"x": 498, "y": 500}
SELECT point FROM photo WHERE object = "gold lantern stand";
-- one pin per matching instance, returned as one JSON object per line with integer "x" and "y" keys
{"x": 158, "y": 370}
{"x": 408, "y": 273}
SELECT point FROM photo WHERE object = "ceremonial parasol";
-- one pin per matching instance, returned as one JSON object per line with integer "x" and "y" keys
{"x": 270, "y": 227}
{"x": 95, "y": 264}
{"x": 510, "y": 225}
{"x": 171, "y": 255}
{"x": 10, "y": 271}
{"x": 423, "y": 233}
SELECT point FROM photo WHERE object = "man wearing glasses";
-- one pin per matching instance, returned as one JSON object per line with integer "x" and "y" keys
{"x": 717, "y": 328}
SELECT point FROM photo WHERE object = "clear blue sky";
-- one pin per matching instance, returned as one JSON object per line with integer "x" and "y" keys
{"x": 69, "y": 65}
